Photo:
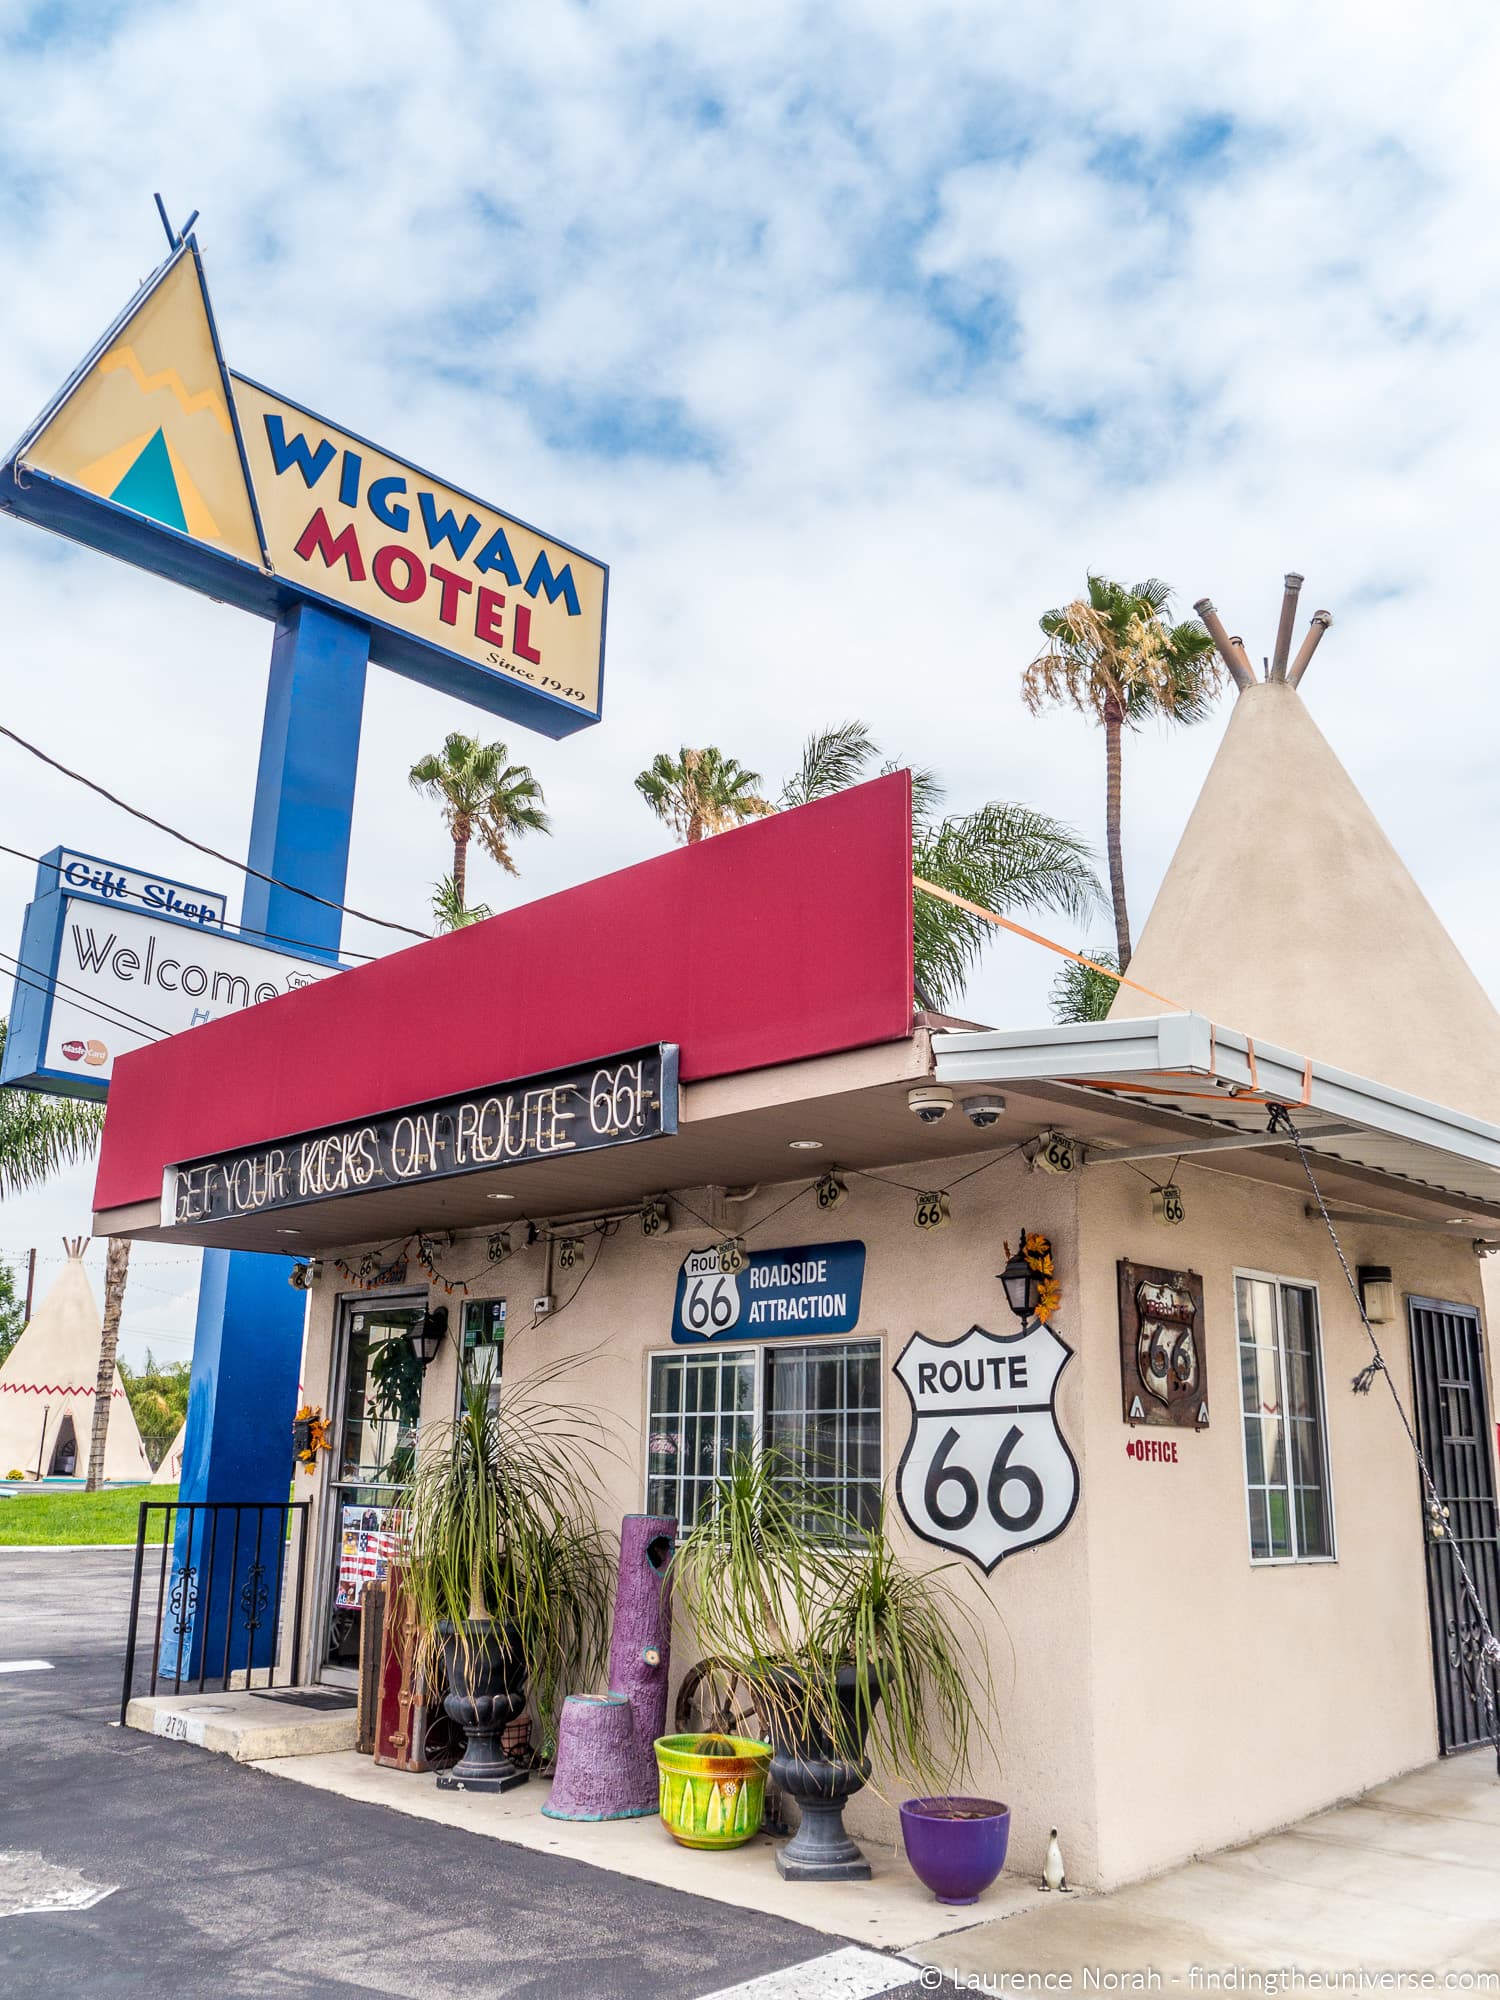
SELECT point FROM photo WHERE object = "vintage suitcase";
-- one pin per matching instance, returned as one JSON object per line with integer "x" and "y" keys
{"x": 371, "y": 1646}
{"x": 412, "y": 1732}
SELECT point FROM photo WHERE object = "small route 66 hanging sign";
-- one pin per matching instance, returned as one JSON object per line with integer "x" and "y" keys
{"x": 986, "y": 1469}
{"x": 1163, "y": 1356}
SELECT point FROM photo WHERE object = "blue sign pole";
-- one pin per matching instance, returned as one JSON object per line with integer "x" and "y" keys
{"x": 247, "y": 1345}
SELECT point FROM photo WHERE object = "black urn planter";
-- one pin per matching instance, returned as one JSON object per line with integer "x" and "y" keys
{"x": 820, "y": 1767}
{"x": 485, "y": 1694}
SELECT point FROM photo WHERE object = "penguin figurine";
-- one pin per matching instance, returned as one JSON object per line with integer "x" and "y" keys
{"x": 1054, "y": 1875}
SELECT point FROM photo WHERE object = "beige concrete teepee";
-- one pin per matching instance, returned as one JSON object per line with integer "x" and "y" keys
{"x": 47, "y": 1389}
{"x": 170, "y": 1470}
{"x": 1287, "y": 913}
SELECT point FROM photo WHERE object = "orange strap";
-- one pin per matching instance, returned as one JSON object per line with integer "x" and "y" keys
{"x": 1051, "y": 944}
{"x": 1107, "y": 972}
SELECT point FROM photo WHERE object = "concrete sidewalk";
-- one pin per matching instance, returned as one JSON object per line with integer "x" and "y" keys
{"x": 1403, "y": 1879}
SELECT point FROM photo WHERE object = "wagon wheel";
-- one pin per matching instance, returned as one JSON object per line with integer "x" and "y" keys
{"x": 716, "y": 1700}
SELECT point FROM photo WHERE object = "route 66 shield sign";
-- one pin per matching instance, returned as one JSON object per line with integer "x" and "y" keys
{"x": 986, "y": 1469}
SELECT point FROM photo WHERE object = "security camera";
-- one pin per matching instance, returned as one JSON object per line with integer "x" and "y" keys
{"x": 930, "y": 1103}
{"x": 985, "y": 1109}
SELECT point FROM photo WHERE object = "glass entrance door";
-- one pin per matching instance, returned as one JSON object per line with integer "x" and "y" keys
{"x": 374, "y": 1440}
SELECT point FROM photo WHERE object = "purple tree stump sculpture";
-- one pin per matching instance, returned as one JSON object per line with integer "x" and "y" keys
{"x": 606, "y": 1763}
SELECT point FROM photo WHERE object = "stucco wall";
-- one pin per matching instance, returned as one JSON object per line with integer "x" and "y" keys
{"x": 1158, "y": 1695}
{"x": 1229, "y": 1696}
{"x": 1034, "y": 1608}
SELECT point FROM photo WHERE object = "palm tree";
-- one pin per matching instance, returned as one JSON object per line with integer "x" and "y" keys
{"x": 1003, "y": 857}
{"x": 701, "y": 792}
{"x": 116, "y": 1270}
{"x": 483, "y": 796}
{"x": 1115, "y": 656}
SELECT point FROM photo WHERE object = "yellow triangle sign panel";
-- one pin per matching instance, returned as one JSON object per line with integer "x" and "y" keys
{"x": 149, "y": 426}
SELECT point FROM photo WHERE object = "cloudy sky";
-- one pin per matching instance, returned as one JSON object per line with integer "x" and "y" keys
{"x": 849, "y": 335}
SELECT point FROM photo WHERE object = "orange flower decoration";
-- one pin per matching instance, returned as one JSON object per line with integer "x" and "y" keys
{"x": 309, "y": 1436}
{"x": 1037, "y": 1250}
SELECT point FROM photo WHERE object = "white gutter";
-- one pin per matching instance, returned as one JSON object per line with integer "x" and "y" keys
{"x": 1187, "y": 1064}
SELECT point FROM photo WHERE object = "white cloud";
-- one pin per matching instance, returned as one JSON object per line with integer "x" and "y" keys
{"x": 956, "y": 299}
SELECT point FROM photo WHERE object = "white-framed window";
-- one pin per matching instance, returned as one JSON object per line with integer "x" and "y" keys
{"x": 818, "y": 1403}
{"x": 1288, "y": 1491}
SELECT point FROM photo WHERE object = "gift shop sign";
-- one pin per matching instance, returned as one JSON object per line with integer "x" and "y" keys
{"x": 768, "y": 1295}
{"x": 134, "y": 888}
{"x": 614, "y": 1103}
{"x": 133, "y": 958}
{"x": 986, "y": 1469}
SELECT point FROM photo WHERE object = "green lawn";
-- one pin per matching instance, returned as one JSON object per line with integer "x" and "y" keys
{"x": 32, "y": 1519}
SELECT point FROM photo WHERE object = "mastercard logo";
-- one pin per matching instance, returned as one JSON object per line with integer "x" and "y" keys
{"x": 75, "y": 1051}
{"x": 95, "y": 1054}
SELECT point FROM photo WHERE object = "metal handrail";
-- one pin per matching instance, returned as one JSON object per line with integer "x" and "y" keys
{"x": 247, "y": 1607}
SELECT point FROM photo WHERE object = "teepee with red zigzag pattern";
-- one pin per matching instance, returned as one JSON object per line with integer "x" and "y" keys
{"x": 47, "y": 1389}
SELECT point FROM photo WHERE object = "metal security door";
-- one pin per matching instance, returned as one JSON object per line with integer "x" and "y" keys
{"x": 1453, "y": 1425}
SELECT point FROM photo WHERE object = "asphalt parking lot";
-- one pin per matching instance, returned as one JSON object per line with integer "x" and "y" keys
{"x": 227, "y": 1884}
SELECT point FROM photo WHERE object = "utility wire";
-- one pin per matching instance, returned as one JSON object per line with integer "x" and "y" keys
{"x": 202, "y": 847}
{"x": 1281, "y": 1121}
{"x": 210, "y": 930}
{"x": 93, "y": 1013}
{"x": 57, "y": 986}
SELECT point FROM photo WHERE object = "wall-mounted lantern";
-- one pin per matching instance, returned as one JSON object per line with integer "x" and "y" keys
{"x": 428, "y": 1335}
{"x": 1021, "y": 1285}
{"x": 1377, "y": 1294}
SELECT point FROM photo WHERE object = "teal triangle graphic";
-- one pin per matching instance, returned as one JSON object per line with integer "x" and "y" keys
{"x": 149, "y": 487}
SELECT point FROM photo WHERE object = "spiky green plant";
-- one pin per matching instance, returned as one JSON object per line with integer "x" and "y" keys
{"x": 501, "y": 1520}
{"x": 784, "y": 1587}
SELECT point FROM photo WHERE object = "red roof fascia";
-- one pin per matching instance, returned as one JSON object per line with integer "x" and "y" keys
{"x": 786, "y": 938}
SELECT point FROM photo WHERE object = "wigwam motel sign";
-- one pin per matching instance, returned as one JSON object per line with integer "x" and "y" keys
{"x": 155, "y": 452}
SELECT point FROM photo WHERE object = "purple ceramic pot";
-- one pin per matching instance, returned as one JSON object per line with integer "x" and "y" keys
{"x": 956, "y": 1845}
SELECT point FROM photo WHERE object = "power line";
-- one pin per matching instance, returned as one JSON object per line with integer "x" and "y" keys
{"x": 57, "y": 986}
{"x": 248, "y": 930}
{"x": 202, "y": 847}
{"x": 93, "y": 1012}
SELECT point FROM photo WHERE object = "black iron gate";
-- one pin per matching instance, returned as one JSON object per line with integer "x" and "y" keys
{"x": 221, "y": 1586}
{"x": 1453, "y": 1425}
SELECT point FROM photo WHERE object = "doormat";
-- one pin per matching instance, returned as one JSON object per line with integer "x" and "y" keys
{"x": 295, "y": 1698}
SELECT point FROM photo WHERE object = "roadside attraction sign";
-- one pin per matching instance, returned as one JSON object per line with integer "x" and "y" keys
{"x": 154, "y": 451}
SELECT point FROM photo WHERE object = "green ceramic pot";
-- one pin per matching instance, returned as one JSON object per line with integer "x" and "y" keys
{"x": 713, "y": 1788}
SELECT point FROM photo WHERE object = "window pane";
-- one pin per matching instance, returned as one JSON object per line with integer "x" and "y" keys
{"x": 823, "y": 1411}
{"x": 1309, "y": 1457}
{"x": 701, "y": 1410}
{"x": 1260, "y": 1399}
{"x": 1286, "y": 1467}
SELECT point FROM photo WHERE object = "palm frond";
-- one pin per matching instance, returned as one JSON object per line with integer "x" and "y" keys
{"x": 1005, "y": 858}
{"x": 41, "y": 1134}
{"x": 1081, "y": 994}
{"x": 482, "y": 793}
{"x": 1115, "y": 652}
{"x": 450, "y": 913}
{"x": 832, "y": 760}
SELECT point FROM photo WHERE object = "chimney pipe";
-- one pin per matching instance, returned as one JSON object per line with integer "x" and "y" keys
{"x": 1284, "y": 629}
{"x": 1232, "y": 655}
{"x": 1321, "y": 620}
